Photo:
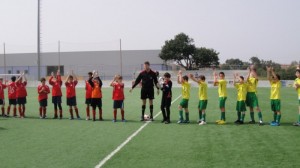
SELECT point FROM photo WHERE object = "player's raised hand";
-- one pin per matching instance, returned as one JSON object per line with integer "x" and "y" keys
{"x": 191, "y": 75}
{"x": 179, "y": 72}
{"x": 268, "y": 68}
{"x": 130, "y": 90}
{"x": 52, "y": 74}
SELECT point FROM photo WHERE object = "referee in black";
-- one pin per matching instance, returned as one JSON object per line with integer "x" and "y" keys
{"x": 149, "y": 80}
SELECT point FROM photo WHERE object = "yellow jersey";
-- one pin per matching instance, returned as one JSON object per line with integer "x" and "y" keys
{"x": 241, "y": 91}
{"x": 185, "y": 91}
{"x": 275, "y": 89}
{"x": 202, "y": 91}
{"x": 222, "y": 88}
{"x": 297, "y": 81}
{"x": 252, "y": 84}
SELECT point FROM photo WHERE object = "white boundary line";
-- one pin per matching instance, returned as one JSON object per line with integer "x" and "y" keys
{"x": 109, "y": 156}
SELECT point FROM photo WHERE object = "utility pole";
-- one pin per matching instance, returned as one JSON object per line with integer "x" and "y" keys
{"x": 121, "y": 61}
{"x": 38, "y": 41}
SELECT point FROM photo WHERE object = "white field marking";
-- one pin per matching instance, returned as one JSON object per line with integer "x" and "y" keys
{"x": 109, "y": 156}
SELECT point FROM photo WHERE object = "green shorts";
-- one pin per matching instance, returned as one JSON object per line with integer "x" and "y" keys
{"x": 222, "y": 101}
{"x": 202, "y": 104}
{"x": 241, "y": 106}
{"x": 275, "y": 104}
{"x": 251, "y": 99}
{"x": 184, "y": 103}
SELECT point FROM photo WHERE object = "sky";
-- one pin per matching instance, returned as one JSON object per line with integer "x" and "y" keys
{"x": 268, "y": 29}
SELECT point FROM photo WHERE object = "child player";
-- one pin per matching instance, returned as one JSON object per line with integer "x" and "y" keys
{"x": 96, "y": 101}
{"x": 2, "y": 100}
{"x": 88, "y": 95}
{"x": 222, "y": 90}
{"x": 56, "y": 83}
{"x": 251, "y": 98}
{"x": 275, "y": 95}
{"x": 186, "y": 86}
{"x": 202, "y": 97}
{"x": 12, "y": 96}
{"x": 43, "y": 91}
{"x": 241, "y": 87}
{"x": 166, "y": 99}
{"x": 71, "y": 83}
{"x": 118, "y": 96}
{"x": 297, "y": 87}
{"x": 21, "y": 94}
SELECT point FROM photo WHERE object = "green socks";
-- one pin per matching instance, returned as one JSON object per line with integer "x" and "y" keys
{"x": 252, "y": 115}
{"x": 187, "y": 116}
{"x": 203, "y": 117}
{"x": 223, "y": 116}
{"x": 260, "y": 116}
{"x": 275, "y": 116}
{"x": 200, "y": 114}
{"x": 243, "y": 116}
{"x": 278, "y": 118}
{"x": 239, "y": 115}
{"x": 181, "y": 115}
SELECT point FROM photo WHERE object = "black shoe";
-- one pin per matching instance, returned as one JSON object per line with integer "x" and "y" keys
{"x": 55, "y": 117}
{"x": 252, "y": 122}
{"x": 142, "y": 119}
{"x": 163, "y": 121}
{"x": 237, "y": 122}
{"x": 167, "y": 122}
{"x": 241, "y": 122}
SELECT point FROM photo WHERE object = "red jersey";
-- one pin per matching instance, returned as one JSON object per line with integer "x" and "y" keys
{"x": 118, "y": 91}
{"x": 12, "y": 90}
{"x": 21, "y": 89}
{"x": 2, "y": 87}
{"x": 88, "y": 90}
{"x": 56, "y": 86}
{"x": 70, "y": 88}
{"x": 43, "y": 91}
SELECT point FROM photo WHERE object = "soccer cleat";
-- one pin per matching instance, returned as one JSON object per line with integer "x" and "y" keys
{"x": 151, "y": 119}
{"x": 251, "y": 122}
{"x": 88, "y": 118}
{"x": 296, "y": 124}
{"x": 71, "y": 118}
{"x": 261, "y": 123}
{"x": 114, "y": 120}
{"x": 55, "y": 117}
{"x": 163, "y": 121}
{"x": 237, "y": 122}
{"x": 202, "y": 123}
{"x": 272, "y": 122}
{"x": 124, "y": 120}
{"x": 180, "y": 122}
{"x": 241, "y": 122}
{"x": 186, "y": 121}
{"x": 101, "y": 119}
{"x": 78, "y": 118}
{"x": 275, "y": 124}
{"x": 218, "y": 121}
{"x": 142, "y": 119}
{"x": 222, "y": 122}
{"x": 167, "y": 122}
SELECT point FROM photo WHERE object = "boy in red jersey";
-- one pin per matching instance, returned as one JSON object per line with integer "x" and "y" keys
{"x": 96, "y": 100}
{"x": 118, "y": 96}
{"x": 71, "y": 83}
{"x": 12, "y": 96}
{"x": 43, "y": 91}
{"x": 2, "y": 101}
{"x": 21, "y": 94}
{"x": 56, "y": 83}
{"x": 88, "y": 95}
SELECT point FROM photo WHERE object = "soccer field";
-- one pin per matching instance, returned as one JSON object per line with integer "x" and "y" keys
{"x": 34, "y": 142}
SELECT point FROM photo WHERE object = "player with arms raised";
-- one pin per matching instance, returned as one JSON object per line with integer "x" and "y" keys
{"x": 56, "y": 83}
{"x": 2, "y": 100}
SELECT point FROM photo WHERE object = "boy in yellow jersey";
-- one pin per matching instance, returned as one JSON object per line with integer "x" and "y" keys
{"x": 202, "y": 97}
{"x": 251, "y": 98}
{"x": 297, "y": 87}
{"x": 222, "y": 90}
{"x": 241, "y": 87}
{"x": 275, "y": 95}
{"x": 184, "y": 104}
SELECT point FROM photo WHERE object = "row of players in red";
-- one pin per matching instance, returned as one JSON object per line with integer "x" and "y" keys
{"x": 17, "y": 95}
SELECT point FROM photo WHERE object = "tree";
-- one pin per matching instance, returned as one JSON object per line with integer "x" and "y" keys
{"x": 205, "y": 57}
{"x": 235, "y": 64}
{"x": 180, "y": 49}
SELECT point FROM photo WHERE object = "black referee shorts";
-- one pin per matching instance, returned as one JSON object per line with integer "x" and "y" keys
{"x": 147, "y": 93}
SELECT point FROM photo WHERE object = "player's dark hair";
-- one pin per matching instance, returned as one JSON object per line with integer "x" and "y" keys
{"x": 222, "y": 73}
{"x": 242, "y": 77}
{"x": 167, "y": 75}
{"x": 202, "y": 77}
{"x": 120, "y": 77}
{"x": 71, "y": 76}
{"x": 278, "y": 76}
{"x": 13, "y": 78}
{"x": 90, "y": 73}
{"x": 157, "y": 73}
{"x": 185, "y": 78}
{"x": 147, "y": 62}
{"x": 42, "y": 79}
{"x": 298, "y": 70}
